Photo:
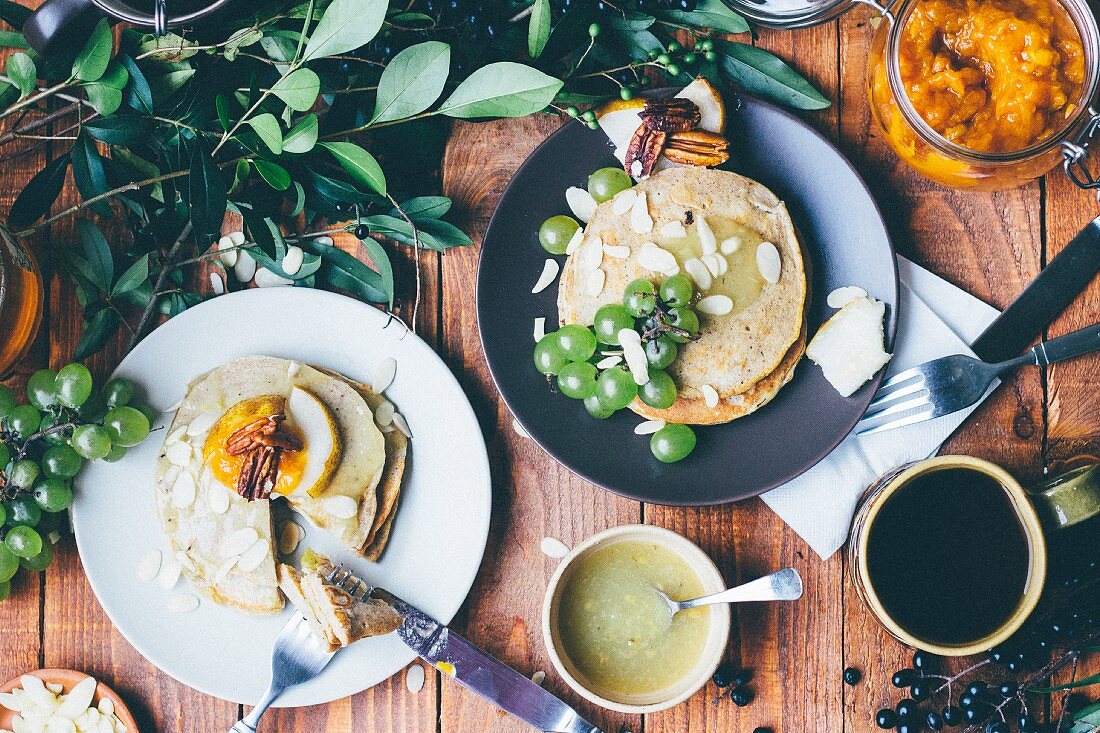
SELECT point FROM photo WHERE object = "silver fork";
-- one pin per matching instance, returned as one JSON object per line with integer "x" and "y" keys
{"x": 783, "y": 585}
{"x": 296, "y": 658}
{"x": 952, "y": 383}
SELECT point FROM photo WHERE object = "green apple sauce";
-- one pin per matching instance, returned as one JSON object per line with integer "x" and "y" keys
{"x": 617, "y": 631}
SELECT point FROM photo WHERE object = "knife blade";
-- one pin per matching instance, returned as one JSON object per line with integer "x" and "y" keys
{"x": 1052, "y": 290}
{"x": 483, "y": 674}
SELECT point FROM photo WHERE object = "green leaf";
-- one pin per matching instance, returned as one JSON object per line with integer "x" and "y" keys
{"x": 88, "y": 173}
{"x": 267, "y": 127}
{"x": 39, "y": 194}
{"x": 22, "y": 71}
{"x": 97, "y": 332}
{"x": 275, "y": 175}
{"x": 206, "y": 192}
{"x": 12, "y": 39}
{"x": 135, "y": 275}
{"x": 223, "y": 106}
{"x": 140, "y": 94}
{"x": 101, "y": 264}
{"x": 302, "y": 137}
{"x": 240, "y": 173}
{"x": 428, "y": 207}
{"x": 760, "y": 72}
{"x": 631, "y": 22}
{"x": 240, "y": 39}
{"x": 165, "y": 85}
{"x": 279, "y": 48}
{"x": 708, "y": 14}
{"x": 299, "y": 200}
{"x": 1093, "y": 679}
{"x": 92, "y": 60}
{"x": 433, "y": 233}
{"x": 104, "y": 99}
{"x": 538, "y": 32}
{"x": 503, "y": 89}
{"x": 412, "y": 81}
{"x": 382, "y": 264}
{"x": 310, "y": 264}
{"x": 342, "y": 271}
{"x": 128, "y": 130}
{"x": 173, "y": 47}
{"x": 298, "y": 89}
{"x": 345, "y": 26}
{"x": 359, "y": 164}
{"x": 441, "y": 235}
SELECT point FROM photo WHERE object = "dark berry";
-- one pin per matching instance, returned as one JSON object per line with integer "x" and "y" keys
{"x": 762, "y": 729}
{"x": 972, "y": 715}
{"x": 997, "y": 656}
{"x": 852, "y": 676}
{"x": 1026, "y": 724}
{"x": 886, "y": 719}
{"x": 1007, "y": 689}
{"x": 723, "y": 675}
{"x": 362, "y": 231}
{"x": 743, "y": 677}
{"x": 908, "y": 726}
{"x": 904, "y": 677}
{"x": 934, "y": 721}
{"x": 976, "y": 689}
{"x": 952, "y": 715}
{"x": 907, "y": 709}
{"x": 742, "y": 696}
{"x": 922, "y": 661}
{"x": 999, "y": 727}
{"x": 970, "y": 700}
{"x": 920, "y": 690}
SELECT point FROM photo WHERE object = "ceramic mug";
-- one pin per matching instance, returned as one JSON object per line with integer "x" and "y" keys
{"x": 1060, "y": 503}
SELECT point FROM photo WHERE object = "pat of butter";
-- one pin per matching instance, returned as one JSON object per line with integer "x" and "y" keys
{"x": 446, "y": 668}
{"x": 849, "y": 346}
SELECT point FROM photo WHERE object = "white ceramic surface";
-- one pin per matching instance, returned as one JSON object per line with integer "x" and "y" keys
{"x": 438, "y": 537}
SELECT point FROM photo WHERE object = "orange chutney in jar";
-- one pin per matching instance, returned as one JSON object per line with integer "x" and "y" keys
{"x": 994, "y": 76}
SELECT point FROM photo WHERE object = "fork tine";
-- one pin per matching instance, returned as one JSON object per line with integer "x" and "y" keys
{"x": 893, "y": 408}
{"x": 882, "y": 400}
{"x": 902, "y": 376}
{"x": 899, "y": 422}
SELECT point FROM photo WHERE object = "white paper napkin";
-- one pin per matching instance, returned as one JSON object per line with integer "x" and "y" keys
{"x": 937, "y": 319}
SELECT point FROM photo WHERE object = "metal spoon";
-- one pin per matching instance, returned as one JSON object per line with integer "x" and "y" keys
{"x": 784, "y": 585}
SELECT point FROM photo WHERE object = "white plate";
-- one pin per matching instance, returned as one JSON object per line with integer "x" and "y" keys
{"x": 438, "y": 537}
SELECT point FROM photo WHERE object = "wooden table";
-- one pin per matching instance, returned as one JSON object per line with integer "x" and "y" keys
{"x": 989, "y": 244}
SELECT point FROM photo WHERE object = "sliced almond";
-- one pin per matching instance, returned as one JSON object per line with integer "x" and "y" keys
{"x": 575, "y": 241}
{"x": 217, "y": 285}
{"x": 414, "y": 678}
{"x": 225, "y": 568}
{"x": 710, "y": 395}
{"x": 183, "y": 603}
{"x": 768, "y": 262}
{"x": 201, "y": 425}
{"x": 640, "y": 220}
{"x": 520, "y": 430}
{"x": 634, "y": 354}
{"x": 265, "y": 278}
{"x": 149, "y": 566}
{"x": 218, "y": 499}
{"x": 649, "y": 427}
{"x": 590, "y": 256}
{"x": 580, "y": 203}
{"x": 608, "y": 361}
{"x": 713, "y": 263}
{"x": 383, "y": 414}
{"x": 731, "y": 245}
{"x": 292, "y": 260}
{"x": 595, "y": 281}
{"x": 673, "y": 230}
{"x": 237, "y": 238}
{"x": 254, "y": 556}
{"x": 186, "y": 562}
{"x": 183, "y": 490}
{"x": 245, "y": 268}
{"x": 384, "y": 374}
{"x": 707, "y": 240}
{"x": 699, "y": 273}
{"x": 169, "y": 573}
{"x": 289, "y": 538}
{"x": 540, "y": 329}
{"x": 550, "y": 270}
{"x": 655, "y": 258}
{"x": 178, "y": 454}
{"x": 842, "y": 296}
{"x": 723, "y": 264}
{"x": 553, "y": 547}
{"x": 227, "y": 250}
{"x": 341, "y": 507}
{"x": 623, "y": 201}
{"x": 715, "y": 305}
{"x": 402, "y": 424}
{"x": 239, "y": 541}
{"x": 618, "y": 251}
{"x": 176, "y": 435}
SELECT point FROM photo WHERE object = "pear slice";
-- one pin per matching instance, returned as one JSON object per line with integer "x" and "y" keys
{"x": 712, "y": 110}
{"x": 315, "y": 422}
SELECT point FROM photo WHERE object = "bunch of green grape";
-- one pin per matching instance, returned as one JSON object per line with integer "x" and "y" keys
{"x": 665, "y": 319}
{"x": 603, "y": 185}
{"x": 43, "y": 445}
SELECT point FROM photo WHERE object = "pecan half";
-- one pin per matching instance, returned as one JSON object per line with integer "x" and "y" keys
{"x": 645, "y": 147}
{"x": 670, "y": 114}
{"x": 261, "y": 442}
{"x": 697, "y": 147}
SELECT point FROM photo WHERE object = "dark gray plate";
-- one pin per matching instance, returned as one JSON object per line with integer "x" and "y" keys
{"x": 843, "y": 233}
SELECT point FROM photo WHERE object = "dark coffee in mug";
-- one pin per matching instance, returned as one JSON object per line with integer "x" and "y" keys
{"x": 948, "y": 556}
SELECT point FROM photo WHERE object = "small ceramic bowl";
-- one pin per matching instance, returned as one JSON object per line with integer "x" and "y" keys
{"x": 713, "y": 650}
{"x": 68, "y": 678}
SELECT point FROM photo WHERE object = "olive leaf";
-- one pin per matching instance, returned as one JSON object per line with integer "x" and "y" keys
{"x": 359, "y": 164}
{"x": 206, "y": 191}
{"x": 298, "y": 89}
{"x": 412, "y": 81}
{"x": 344, "y": 272}
{"x": 38, "y": 195}
{"x": 276, "y": 176}
{"x": 1087, "y": 719}
{"x": 21, "y": 70}
{"x": 760, "y": 72}
{"x": 345, "y": 26}
{"x": 133, "y": 278}
{"x": 382, "y": 264}
{"x": 501, "y": 89}
{"x": 268, "y": 130}
{"x": 538, "y": 32}
{"x": 97, "y": 253}
{"x": 708, "y": 14}
{"x": 139, "y": 94}
{"x": 97, "y": 331}
{"x": 88, "y": 173}
{"x": 302, "y": 137}
{"x": 429, "y": 207}
{"x": 91, "y": 62}
{"x": 119, "y": 130}
{"x": 1093, "y": 679}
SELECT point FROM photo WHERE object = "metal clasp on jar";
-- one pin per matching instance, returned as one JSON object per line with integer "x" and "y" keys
{"x": 1076, "y": 150}
{"x": 884, "y": 9}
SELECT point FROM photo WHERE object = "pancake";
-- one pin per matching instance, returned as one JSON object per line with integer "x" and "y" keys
{"x": 746, "y": 356}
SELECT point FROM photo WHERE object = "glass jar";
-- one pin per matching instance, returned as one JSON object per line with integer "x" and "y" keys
{"x": 951, "y": 164}
{"x": 21, "y": 299}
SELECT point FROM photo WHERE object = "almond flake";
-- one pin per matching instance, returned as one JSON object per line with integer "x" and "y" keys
{"x": 649, "y": 427}
{"x": 654, "y": 258}
{"x": 186, "y": 562}
{"x": 619, "y": 251}
{"x": 640, "y": 220}
{"x": 550, "y": 270}
{"x": 183, "y": 490}
{"x": 710, "y": 395}
{"x": 715, "y": 305}
{"x": 169, "y": 573}
{"x": 590, "y": 256}
{"x": 265, "y": 278}
{"x": 634, "y": 355}
{"x": 699, "y": 273}
{"x": 341, "y": 507}
{"x": 707, "y": 240}
{"x": 237, "y": 238}
{"x": 540, "y": 329}
{"x": 580, "y": 203}
{"x": 218, "y": 499}
{"x": 553, "y": 547}
{"x": 712, "y": 261}
{"x": 292, "y": 260}
{"x": 402, "y": 424}
{"x": 768, "y": 262}
{"x": 239, "y": 541}
{"x": 289, "y": 538}
{"x": 414, "y": 678}
{"x": 623, "y": 201}
{"x": 183, "y": 603}
{"x": 731, "y": 245}
{"x": 383, "y": 414}
{"x": 595, "y": 282}
{"x": 842, "y": 296}
{"x": 217, "y": 285}
{"x": 608, "y": 361}
{"x": 384, "y": 374}
{"x": 575, "y": 241}
{"x": 520, "y": 430}
{"x": 538, "y": 677}
{"x": 201, "y": 425}
{"x": 227, "y": 251}
{"x": 673, "y": 230}
{"x": 149, "y": 566}
{"x": 178, "y": 454}
{"x": 254, "y": 556}
{"x": 225, "y": 568}
{"x": 176, "y": 435}
{"x": 723, "y": 264}
{"x": 245, "y": 268}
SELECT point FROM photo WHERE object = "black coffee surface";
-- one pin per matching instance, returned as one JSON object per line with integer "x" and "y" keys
{"x": 948, "y": 557}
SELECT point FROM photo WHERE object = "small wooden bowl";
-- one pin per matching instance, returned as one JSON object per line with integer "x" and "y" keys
{"x": 68, "y": 678}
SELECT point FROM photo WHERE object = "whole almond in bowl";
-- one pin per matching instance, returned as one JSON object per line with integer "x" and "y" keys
{"x": 66, "y": 694}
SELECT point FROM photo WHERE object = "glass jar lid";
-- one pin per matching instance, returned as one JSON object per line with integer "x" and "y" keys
{"x": 792, "y": 13}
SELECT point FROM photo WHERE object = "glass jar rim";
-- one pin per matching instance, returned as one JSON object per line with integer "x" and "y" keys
{"x": 1083, "y": 20}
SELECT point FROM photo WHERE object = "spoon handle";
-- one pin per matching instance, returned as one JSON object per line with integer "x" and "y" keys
{"x": 783, "y": 585}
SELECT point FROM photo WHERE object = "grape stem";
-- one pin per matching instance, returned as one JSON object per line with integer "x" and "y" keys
{"x": 42, "y": 434}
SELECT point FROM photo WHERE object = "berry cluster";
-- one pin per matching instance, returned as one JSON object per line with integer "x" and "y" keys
{"x": 734, "y": 683}
{"x": 622, "y": 7}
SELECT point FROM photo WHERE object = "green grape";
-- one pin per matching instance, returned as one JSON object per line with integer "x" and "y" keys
{"x": 576, "y": 342}
{"x": 640, "y": 298}
{"x": 116, "y": 454}
{"x": 7, "y": 401}
{"x": 555, "y": 233}
{"x": 661, "y": 352}
{"x": 53, "y": 495}
{"x": 61, "y": 461}
{"x": 3, "y": 514}
{"x": 49, "y": 522}
{"x": 548, "y": 356}
{"x": 676, "y": 291}
{"x": 23, "y": 473}
{"x": 686, "y": 319}
{"x": 609, "y": 320}
{"x": 23, "y": 510}
{"x": 659, "y": 391}
{"x": 606, "y": 182}
{"x": 94, "y": 408}
{"x": 672, "y": 443}
{"x": 24, "y": 542}
{"x": 24, "y": 420}
{"x": 91, "y": 441}
{"x": 127, "y": 426}
{"x": 577, "y": 380}
{"x": 616, "y": 388}
{"x": 5, "y": 457}
{"x": 150, "y": 414}
{"x": 73, "y": 385}
{"x": 5, "y": 590}
{"x": 118, "y": 392}
{"x": 9, "y": 563}
{"x": 597, "y": 409}
{"x": 41, "y": 561}
{"x": 59, "y": 437}
{"x": 42, "y": 389}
